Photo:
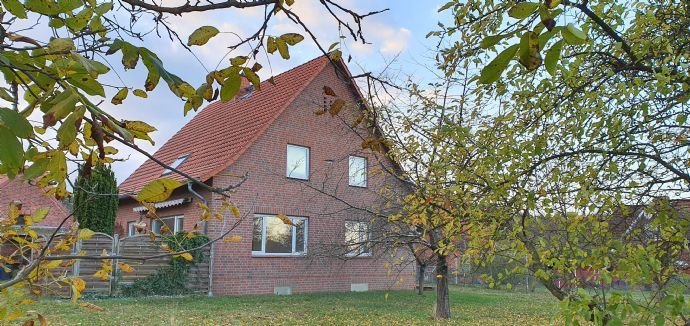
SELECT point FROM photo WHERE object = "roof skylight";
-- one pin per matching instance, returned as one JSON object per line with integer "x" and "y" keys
{"x": 176, "y": 164}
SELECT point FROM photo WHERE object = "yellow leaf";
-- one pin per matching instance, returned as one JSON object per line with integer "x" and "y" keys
{"x": 40, "y": 214}
{"x": 158, "y": 190}
{"x": 78, "y": 286}
{"x": 139, "y": 126}
{"x": 91, "y": 306}
{"x": 285, "y": 219}
{"x": 42, "y": 320}
{"x": 125, "y": 267}
{"x": 233, "y": 239}
{"x": 187, "y": 256}
{"x": 85, "y": 234}
{"x": 102, "y": 275}
{"x": 235, "y": 211}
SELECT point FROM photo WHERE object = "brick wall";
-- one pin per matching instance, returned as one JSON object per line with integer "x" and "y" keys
{"x": 32, "y": 198}
{"x": 268, "y": 191}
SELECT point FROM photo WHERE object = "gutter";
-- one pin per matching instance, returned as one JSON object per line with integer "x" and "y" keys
{"x": 205, "y": 228}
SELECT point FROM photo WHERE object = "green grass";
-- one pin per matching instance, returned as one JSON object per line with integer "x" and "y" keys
{"x": 470, "y": 306}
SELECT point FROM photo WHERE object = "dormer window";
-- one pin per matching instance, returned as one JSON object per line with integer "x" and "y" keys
{"x": 176, "y": 164}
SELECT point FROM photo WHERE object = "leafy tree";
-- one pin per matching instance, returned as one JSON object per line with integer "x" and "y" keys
{"x": 95, "y": 199}
{"x": 593, "y": 99}
{"x": 57, "y": 68}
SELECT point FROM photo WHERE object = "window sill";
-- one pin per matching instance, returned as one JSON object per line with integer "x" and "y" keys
{"x": 359, "y": 256}
{"x": 269, "y": 255}
{"x": 298, "y": 179}
{"x": 356, "y": 186}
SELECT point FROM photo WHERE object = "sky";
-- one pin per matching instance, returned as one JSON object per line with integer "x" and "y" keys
{"x": 398, "y": 34}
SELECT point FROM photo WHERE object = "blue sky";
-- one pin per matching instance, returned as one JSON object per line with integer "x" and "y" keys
{"x": 397, "y": 33}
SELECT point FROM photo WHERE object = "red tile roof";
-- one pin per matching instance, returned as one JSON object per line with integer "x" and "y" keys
{"x": 32, "y": 198}
{"x": 222, "y": 131}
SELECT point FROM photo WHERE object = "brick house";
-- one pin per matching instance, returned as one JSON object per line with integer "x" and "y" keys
{"x": 308, "y": 167}
{"x": 31, "y": 198}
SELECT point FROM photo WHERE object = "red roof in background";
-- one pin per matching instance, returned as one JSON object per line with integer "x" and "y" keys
{"x": 222, "y": 131}
{"x": 32, "y": 198}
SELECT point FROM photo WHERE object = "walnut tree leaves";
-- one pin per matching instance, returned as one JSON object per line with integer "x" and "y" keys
{"x": 531, "y": 42}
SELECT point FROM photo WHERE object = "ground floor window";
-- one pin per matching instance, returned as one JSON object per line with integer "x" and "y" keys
{"x": 170, "y": 224}
{"x": 272, "y": 236}
{"x": 357, "y": 238}
{"x": 131, "y": 230}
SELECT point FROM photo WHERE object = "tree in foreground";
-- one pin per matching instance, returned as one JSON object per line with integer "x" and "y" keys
{"x": 593, "y": 99}
{"x": 95, "y": 199}
{"x": 58, "y": 60}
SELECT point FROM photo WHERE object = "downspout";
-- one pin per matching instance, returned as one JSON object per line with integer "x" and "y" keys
{"x": 205, "y": 228}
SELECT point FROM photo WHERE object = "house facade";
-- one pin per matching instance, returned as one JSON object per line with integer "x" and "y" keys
{"x": 298, "y": 164}
{"x": 30, "y": 198}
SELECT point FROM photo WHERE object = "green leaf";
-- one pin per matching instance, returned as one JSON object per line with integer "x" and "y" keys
{"x": 572, "y": 35}
{"x": 491, "y": 72}
{"x": 103, "y": 8}
{"x": 12, "y": 153}
{"x": 87, "y": 84}
{"x": 230, "y": 88}
{"x": 158, "y": 190}
{"x": 530, "y": 57}
{"x": 491, "y": 40}
{"x": 156, "y": 70}
{"x": 16, "y": 123}
{"x": 201, "y": 35}
{"x": 140, "y": 93}
{"x": 283, "y": 49}
{"x": 130, "y": 55}
{"x": 80, "y": 20}
{"x": 271, "y": 45}
{"x": 61, "y": 45}
{"x": 37, "y": 169}
{"x": 45, "y": 7}
{"x": 523, "y": 10}
{"x": 67, "y": 132}
{"x": 292, "y": 38}
{"x": 238, "y": 61}
{"x": 446, "y": 6}
{"x": 553, "y": 55}
{"x": 15, "y": 8}
{"x": 120, "y": 96}
{"x": 252, "y": 77}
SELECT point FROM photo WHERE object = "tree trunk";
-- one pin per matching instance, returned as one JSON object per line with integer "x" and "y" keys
{"x": 420, "y": 278}
{"x": 442, "y": 295}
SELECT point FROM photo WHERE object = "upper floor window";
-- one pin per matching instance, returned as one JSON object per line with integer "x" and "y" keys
{"x": 272, "y": 236}
{"x": 176, "y": 164}
{"x": 358, "y": 171}
{"x": 163, "y": 225}
{"x": 357, "y": 238}
{"x": 297, "y": 162}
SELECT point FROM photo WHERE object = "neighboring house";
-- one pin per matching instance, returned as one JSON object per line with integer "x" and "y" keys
{"x": 31, "y": 198}
{"x": 309, "y": 167}
{"x": 634, "y": 224}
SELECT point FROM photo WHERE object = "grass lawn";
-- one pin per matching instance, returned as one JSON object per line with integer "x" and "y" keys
{"x": 470, "y": 306}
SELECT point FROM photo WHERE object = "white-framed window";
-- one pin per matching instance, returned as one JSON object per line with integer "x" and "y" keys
{"x": 131, "y": 230}
{"x": 174, "y": 224}
{"x": 271, "y": 236}
{"x": 178, "y": 161}
{"x": 357, "y": 237}
{"x": 358, "y": 171}
{"x": 297, "y": 162}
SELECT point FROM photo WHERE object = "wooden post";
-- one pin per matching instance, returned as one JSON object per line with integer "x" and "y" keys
{"x": 114, "y": 250}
